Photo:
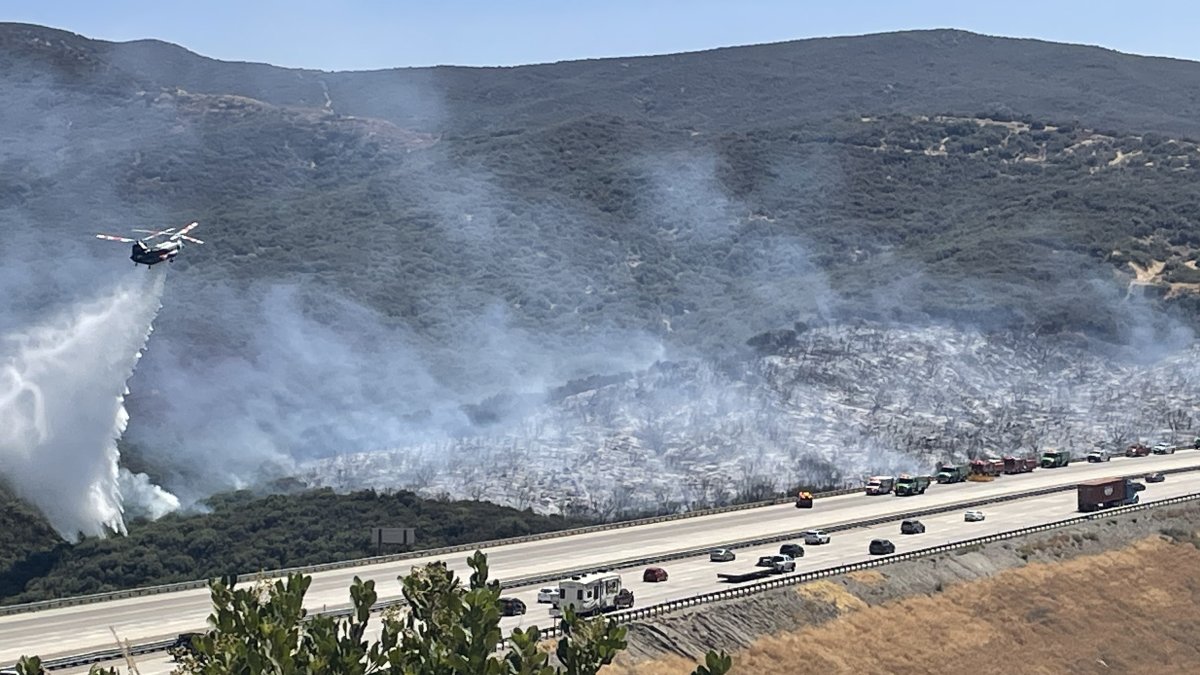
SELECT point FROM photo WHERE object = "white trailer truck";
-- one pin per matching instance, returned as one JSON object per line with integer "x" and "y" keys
{"x": 591, "y": 594}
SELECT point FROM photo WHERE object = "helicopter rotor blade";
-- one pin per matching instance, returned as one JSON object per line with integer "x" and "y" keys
{"x": 110, "y": 237}
{"x": 156, "y": 233}
{"x": 191, "y": 239}
{"x": 184, "y": 231}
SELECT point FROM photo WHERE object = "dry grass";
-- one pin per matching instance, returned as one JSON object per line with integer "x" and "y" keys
{"x": 1132, "y": 610}
{"x": 832, "y": 594}
{"x": 867, "y": 577}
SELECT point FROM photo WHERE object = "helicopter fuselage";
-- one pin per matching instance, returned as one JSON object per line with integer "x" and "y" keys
{"x": 152, "y": 255}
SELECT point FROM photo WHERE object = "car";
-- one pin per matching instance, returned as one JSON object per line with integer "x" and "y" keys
{"x": 1155, "y": 477}
{"x": 624, "y": 599}
{"x": 881, "y": 547}
{"x": 973, "y": 516}
{"x": 1098, "y": 456}
{"x": 183, "y": 646}
{"x": 654, "y": 574}
{"x": 793, "y": 550}
{"x": 816, "y": 537}
{"x": 1163, "y": 449}
{"x": 511, "y": 607}
{"x": 548, "y": 594}
{"x": 912, "y": 527}
{"x": 721, "y": 555}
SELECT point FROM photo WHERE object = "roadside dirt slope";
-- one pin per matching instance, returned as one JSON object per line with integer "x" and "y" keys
{"x": 1073, "y": 607}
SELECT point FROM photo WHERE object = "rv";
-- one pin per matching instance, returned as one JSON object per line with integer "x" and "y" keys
{"x": 591, "y": 594}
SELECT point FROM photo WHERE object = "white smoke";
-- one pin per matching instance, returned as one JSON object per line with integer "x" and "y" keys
{"x": 62, "y": 393}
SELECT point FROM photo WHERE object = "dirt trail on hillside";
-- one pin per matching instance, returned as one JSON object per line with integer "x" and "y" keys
{"x": 1074, "y": 608}
{"x": 1148, "y": 274}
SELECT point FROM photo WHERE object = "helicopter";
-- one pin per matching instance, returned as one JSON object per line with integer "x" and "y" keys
{"x": 145, "y": 254}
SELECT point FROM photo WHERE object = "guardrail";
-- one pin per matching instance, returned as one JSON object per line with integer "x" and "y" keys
{"x": 395, "y": 557}
{"x": 105, "y": 655}
{"x": 660, "y": 609}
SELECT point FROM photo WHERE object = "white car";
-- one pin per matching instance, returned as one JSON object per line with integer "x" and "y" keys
{"x": 548, "y": 595}
{"x": 816, "y": 537}
{"x": 721, "y": 555}
{"x": 973, "y": 516}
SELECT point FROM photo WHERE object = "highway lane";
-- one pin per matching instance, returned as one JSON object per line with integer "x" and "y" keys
{"x": 85, "y": 628}
{"x": 692, "y": 576}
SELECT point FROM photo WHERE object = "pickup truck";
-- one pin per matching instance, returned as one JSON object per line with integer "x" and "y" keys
{"x": 1137, "y": 450}
{"x": 779, "y": 564}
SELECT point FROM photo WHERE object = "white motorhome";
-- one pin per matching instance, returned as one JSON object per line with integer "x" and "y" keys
{"x": 591, "y": 594}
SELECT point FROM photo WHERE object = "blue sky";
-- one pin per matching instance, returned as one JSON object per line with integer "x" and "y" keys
{"x": 370, "y": 34}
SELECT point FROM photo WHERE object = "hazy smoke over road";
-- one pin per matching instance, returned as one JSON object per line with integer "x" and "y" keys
{"x": 62, "y": 390}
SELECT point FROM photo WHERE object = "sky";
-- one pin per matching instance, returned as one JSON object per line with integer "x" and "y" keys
{"x": 376, "y": 34}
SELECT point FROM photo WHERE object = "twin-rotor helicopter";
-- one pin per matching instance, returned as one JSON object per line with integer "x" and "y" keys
{"x": 152, "y": 254}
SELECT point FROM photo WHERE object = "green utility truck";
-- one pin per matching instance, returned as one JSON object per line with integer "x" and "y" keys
{"x": 911, "y": 485}
{"x": 1052, "y": 459}
{"x": 949, "y": 473}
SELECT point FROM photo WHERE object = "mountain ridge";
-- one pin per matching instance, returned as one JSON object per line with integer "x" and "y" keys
{"x": 888, "y": 62}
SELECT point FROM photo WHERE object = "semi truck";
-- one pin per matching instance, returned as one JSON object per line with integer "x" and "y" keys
{"x": 1105, "y": 493}
{"x": 880, "y": 485}
{"x": 1052, "y": 459}
{"x": 590, "y": 594}
{"x": 911, "y": 485}
{"x": 952, "y": 473}
{"x": 1019, "y": 464}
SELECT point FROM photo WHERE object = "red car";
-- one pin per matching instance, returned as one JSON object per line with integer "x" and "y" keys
{"x": 653, "y": 574}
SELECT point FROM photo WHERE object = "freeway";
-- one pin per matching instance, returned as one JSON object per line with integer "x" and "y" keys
{"x": 85, "y": 628}
{"x": 696, "y": 575}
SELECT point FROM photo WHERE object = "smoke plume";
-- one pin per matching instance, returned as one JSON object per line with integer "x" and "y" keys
{"x": 62, "y": 392}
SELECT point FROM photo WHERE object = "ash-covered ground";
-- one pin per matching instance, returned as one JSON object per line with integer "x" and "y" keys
{"x": 824, "y": 407}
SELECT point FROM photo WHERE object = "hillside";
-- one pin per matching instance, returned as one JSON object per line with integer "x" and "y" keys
{"x": 240, "y": 533}
{"x": 420, "y": 258}
{"x": 818, "y": 405}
